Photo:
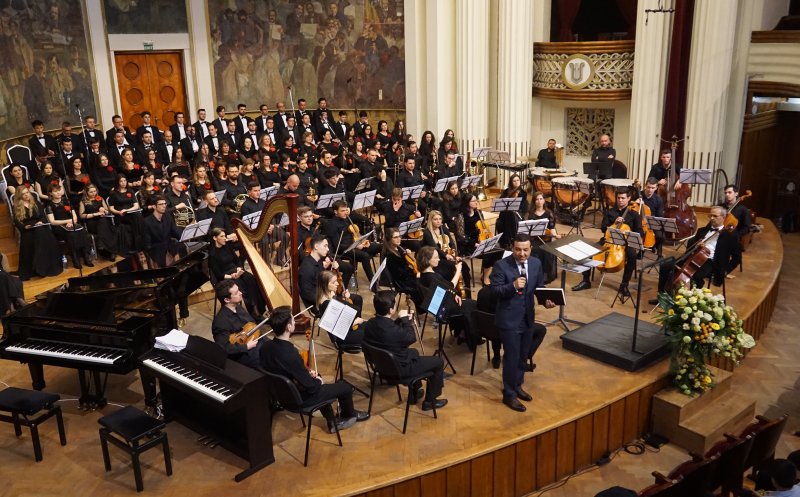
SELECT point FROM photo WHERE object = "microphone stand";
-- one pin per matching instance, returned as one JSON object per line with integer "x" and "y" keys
{"x": 83, "y": 130}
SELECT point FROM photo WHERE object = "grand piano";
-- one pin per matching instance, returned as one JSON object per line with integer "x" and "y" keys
{"x": 100, "y": 324}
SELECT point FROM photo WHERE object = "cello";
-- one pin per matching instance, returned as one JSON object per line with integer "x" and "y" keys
{"x": 676, "y": 200}
{"x": 638, "y": 206}
{"x": 613, "y": 255}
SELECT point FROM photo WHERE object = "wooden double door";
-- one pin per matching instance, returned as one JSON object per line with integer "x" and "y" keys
{"x": 152, "y": 81}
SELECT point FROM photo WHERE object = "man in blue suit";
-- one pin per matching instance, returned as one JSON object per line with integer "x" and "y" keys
{"x": 514, "y": 279}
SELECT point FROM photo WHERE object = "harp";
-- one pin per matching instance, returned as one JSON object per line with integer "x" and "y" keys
{"x": 279, "y": 285}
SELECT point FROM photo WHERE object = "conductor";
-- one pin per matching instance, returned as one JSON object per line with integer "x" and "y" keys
{"x": 514, "y": 279}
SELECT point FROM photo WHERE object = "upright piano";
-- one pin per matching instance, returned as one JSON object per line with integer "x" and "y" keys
{"x": 100, "y": 324}
{"x": 212, "y": 395}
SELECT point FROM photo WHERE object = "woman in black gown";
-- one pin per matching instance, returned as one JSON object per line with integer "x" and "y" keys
{"x": 64, "y": 222}
{"x": 11, "y": 292}
{"x": 39, "y": 252}
{"x": 94, "y": 212}
{"x": 539, "y": 210}
{"x": 438, "y": 236}
{"x": 225, "y": 263}
{"x": 403, "y": 275}
{"x": 327, "y": 284}
{"x": 122, "y": 203}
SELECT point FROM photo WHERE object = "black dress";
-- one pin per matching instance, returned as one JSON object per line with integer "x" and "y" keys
{"x": 39, "y": 252}
{"x": 446, "y": 268}
{"x": 224, "y": 260}
{"x": 548, "y": 260}
{"x": 131, "y": 231}
{"x": 10, "y": 289}
{"x": 104, "y": 231}
{"x": 457, "y": 315}
{"x": 76, "y": 239}
{"x": 403, "y": 277}
{"x": 356, "y": 334}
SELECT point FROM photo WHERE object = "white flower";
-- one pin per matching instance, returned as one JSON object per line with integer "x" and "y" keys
{"x": 687, "y": 339}
{"x": 678, "y": 377}
{"x": 695, "y": 321}
{"x": 692, "y": 300}
{"x": 685, "y": 327}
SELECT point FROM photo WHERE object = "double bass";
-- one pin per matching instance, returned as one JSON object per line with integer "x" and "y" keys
{"x": 676, "y": 201}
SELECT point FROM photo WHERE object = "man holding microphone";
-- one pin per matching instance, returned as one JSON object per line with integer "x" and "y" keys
{"x": 514, "y": 280}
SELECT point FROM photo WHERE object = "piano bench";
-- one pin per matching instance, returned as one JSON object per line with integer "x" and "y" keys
{"x": 23, "y": 404}
{"x": 126, "y": 428}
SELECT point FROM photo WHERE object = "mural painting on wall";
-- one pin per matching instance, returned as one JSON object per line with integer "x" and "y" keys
{"x": 150, "y": 16}
{"x": 348, "y": 51}
{"x": 45, "y": 66}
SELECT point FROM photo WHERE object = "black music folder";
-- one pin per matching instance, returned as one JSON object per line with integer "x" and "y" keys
{"x": 556, "y": 295}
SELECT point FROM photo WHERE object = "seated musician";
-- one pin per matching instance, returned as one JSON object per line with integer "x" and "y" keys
{"x": 219, "y": 218}
{"x": 326, "y": 164}
{"x": 410, "y": 176}
{"x": 65, "y": 226}
{"x": 330, "y": 288}
{"x": 539, "y": 210}
{"x": 178, "y": 199}
{"x": 39, "y": 253}
{"x": 233, "y": 187}
{"x": 547, "y": 156}
{"x": 292, "y": 185}
{"x": 306, "y": 228}
{"x": 397, "y": 336}
{"x": 225, "y": 264}
{"x": 437, "y": 235}
{"x": 315, "y": 263}
{"x": 471, "y": 214}
{"x": 399, "y": 265}
{"x": 370, "y": 167}
{"x": 508, "y": 221}
{"x": 307, "y": 177}
{"x": 450, "y": 166}
{"x": 330, "y": 184}
{"x": 452, "y": 200}
{"x": 398, "y": 212}
{"x": 653, "y": 200}
{"x": 384, "y": 186}
{"x": 232, "y": 318}
{"x": 340, "y": 230}
{"x": 487, "y": 302}
{"x": 459, "y": 308}
{"x": 661, "y": 169}
{"x": 740, "y": 212}
{"x": 161, "y": 236}
{"x": 279, "y": 356}
{"x": 276, "y": 238}
{"x": 122, "y": 203}
{"x": 722, "y": 247}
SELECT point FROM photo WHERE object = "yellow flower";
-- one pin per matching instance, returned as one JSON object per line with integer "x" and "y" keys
{"x": 670, "y": 312}
{"x": 707, "y": 379}
{"x": 714, "y": 326}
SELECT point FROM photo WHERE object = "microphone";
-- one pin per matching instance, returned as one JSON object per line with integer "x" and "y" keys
{"x": 521, "y": 275}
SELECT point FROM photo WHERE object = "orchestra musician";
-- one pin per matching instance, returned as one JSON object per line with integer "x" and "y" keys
{"x": 539, "y": 210}
{"x": 93, "y": 210}
{"x": 739, "y": 211}
{"x": 232, "y": 318}
{"x": 219, "y": 218}
{"x": 279, "y": 356}
{"x": 312, "y": 265}
{"x": 471, "y": 215}
{"x": 340, "y": 230}
{"x": 450, "y": 167}
{"x": 161, "y": 236}
{"x": 327, "y": 287}
{"x": 178, "y": 199}
{"x": 653, "y": 200}
{"x": 661, "y": 169}
{"x": 396, "y": 336}
{"x": 438, "y": 236}
{"x": 233, "y": 186}
{"x": 399, "y": 265}
{"x": 410, "y": 176}
{"x": 65, "y": 226}
{"x": 225, "y": 264}
{"x": 452, "y": 200}
{"x": 547, "y": 156}
{"x": 458, "y": 308}
{"x": 620, "y": 214}
{"x": 277, "y": 238}
{"x": 514, "y": 280}
{"x": 723, "y": 249}
{"x": 292, "y": 185}
{"x": 398, "y": 212}
{"x": 200, "y": 184}
{"x": 508, "y": 221}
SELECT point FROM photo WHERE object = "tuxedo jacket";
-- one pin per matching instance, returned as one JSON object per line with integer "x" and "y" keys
{"x": 240, "y": 127}
{"x": 727, "y": 254}
{"x": 511, "y": 302}
{"x": 141, "y": 130}
{"x": 261, "y": 124}
{"x": 37, "y": 148}
{"x": 198, "y": 129}
{"x": 176, "y": 134}
{"x": 110, "y": 137}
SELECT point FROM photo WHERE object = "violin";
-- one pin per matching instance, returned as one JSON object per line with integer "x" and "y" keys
{"x": 310, "y": 354}
{"x": 483, "y": 229}
{"x": 353, "y": 229}
{"x": 250, "y": 331}
{"x": 412, "y": 263}
{"x": 452, "y": 252}
{"x": 416, "y": 235}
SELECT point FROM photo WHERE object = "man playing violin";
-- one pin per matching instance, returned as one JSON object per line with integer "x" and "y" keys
{"x": 722, "y": 247}
{"x": 315, "y": 263}
{"x": 231, "y": 318}
{"x": 737, "y": 210}
{"x": 279, "y": 356}
{"x": 340, "y": 231}
{"x": 615, "y": 217}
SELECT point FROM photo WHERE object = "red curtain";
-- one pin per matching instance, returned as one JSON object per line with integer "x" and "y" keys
{"x": 567, "y": 11}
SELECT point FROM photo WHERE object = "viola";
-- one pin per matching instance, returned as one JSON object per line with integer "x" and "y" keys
{"x": 250, "y": 331}
{"x": 483, "y": 229}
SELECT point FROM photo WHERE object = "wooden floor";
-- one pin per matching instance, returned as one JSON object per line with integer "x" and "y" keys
{"x": 452, "y": 455}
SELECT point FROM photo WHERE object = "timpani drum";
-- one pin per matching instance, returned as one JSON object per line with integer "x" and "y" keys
{"x": 610, "y": 188}
{"x": 571, "y": 192}
{"x": 540, "y": 180}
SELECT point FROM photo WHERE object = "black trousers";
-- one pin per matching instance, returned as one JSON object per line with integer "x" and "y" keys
{"x": 364, "y": 257}
{"x": 341, "y": 391}
{"x": 425, "y": 364}
{"x": 666, "y": 273}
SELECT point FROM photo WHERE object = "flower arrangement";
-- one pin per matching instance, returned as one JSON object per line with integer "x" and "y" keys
{"x": 700, "y": 325}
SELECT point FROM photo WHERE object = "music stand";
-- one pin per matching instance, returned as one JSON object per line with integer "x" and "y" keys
{"x": 196, "y": 230}
{"x": 506, "y": 204}
{"x": 412, "y": 192}
{"x": 410, "y": 226}
{"x": 357, "y": 242}
{"x": 695, "y": 176}
{"x": 364, "y": 200}
{"x": 623, "y": 239}
{"x": 219, "y": 194}
{"x": 267, "y": 193}
{"x": 470, "y": 181}
{"x": 377, "y": 275}
{"x": 533, "y": 227}
{"x": 485, "y": 246}
{"x": 327, "y": 200}
{"x": 251, "y": 220}
{"x": 436, "y": 305}
{"x": 572, "y": 252}
{"x": 442, "y": 183}
{"x": 364, "y": 183}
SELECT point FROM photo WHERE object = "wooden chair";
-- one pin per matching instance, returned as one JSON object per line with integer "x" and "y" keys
{"x": 766, "y": 433}
{"x": 732, "y": 453}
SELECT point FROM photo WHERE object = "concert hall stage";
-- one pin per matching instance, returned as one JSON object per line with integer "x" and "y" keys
{"x": 581, "y": 409}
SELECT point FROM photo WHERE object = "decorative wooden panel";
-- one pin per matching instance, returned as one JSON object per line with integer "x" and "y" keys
{"x": 526, "y": 466}
{"x": 458, "y": 479}
{"x": 546, "y": 447}
{"x": 150, "y": 81}
{"x": 583, "y": 442}
{"x": 504, "y": 467}
{"x": 565, "y": 450}
{"x": 481, "y": 476}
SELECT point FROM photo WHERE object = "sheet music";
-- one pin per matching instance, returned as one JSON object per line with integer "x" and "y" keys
{"x": 578, "y": 250}
{"x": 338, "y": 318}
{"x": 436, "y": 300}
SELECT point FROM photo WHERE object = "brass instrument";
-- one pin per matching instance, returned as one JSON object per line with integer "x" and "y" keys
{"x": 238, "y": 202}
{"x": 184, "y": 217}
{"x": 312, "y": 193}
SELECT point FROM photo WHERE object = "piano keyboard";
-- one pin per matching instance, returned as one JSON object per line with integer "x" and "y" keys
{"x": 190, "y": 378}
{"x": 77, "y": 352}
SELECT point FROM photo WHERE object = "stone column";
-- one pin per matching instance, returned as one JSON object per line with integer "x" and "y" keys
{"x": 649, "y": 87}
{"x": 416, "y": 74}
{"x": 709, "y": 79}
{"x": 472, "y": 74}
{"x": 514, "y": 78}
{"x": 440, "y": 60}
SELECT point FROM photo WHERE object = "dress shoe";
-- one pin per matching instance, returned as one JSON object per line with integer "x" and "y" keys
{"x": 438, "y": 404}
{"x": 523, "y": 395}
{"x": 653, "y": 301}
{"x": 361, "y": 415}
{"x": 623, "y": 290}
{"x": 342, "y": 424}
{"x": 496, "y": 362}
{"x": 514, "y": 404}
{"x": 583, "y": 285}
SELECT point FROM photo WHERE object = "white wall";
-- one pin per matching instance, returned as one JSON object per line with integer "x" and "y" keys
{"x": 549, "y": 121}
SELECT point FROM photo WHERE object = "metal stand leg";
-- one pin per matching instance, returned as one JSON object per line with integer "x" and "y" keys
{"x": 440, "y": 351}
{"x": 562, "y": 318}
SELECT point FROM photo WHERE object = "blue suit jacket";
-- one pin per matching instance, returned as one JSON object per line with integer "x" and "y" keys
{"x": 515, "y": 311}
